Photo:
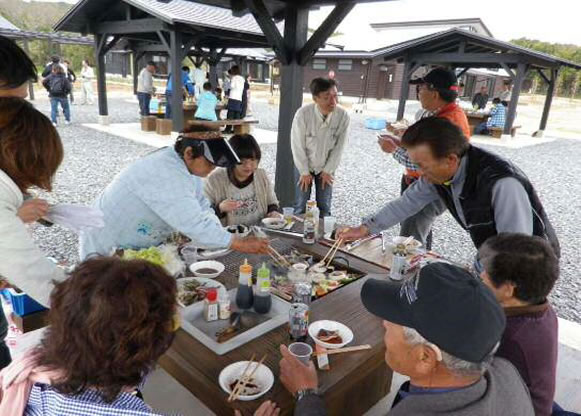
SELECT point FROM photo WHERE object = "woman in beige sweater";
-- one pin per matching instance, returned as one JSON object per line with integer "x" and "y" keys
{"x": 243, "y": 194}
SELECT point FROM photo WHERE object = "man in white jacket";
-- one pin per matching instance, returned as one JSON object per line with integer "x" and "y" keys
{"x": 318, "y": 136}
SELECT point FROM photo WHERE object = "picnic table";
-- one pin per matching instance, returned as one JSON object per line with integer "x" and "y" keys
{"x": 475, "y": 118}
{"x": 355, "y": 382}
{"x": 241, "y": 126}
{"x": 191, "y": 108}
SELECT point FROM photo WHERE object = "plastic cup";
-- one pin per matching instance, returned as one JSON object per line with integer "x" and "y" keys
{"x": 288, "y": 213}
{"x": 302, "y": 351}
{"x": 329, "y": 225}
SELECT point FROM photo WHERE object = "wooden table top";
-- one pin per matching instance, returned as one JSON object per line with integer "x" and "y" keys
{"x": 361, "y": 375}
{"x": 220, "y": 123}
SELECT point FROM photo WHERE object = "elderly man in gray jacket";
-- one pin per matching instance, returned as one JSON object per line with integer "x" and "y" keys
{"x": 442, "y": 329}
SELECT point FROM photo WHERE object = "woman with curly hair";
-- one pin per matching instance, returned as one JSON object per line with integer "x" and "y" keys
{"x": 108, "y": 325}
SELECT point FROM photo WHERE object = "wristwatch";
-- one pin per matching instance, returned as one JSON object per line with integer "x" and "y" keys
{"x": 306, "y": 392}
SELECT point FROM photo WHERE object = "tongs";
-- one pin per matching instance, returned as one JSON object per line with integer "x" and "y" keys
{"x": 357, "y": 243}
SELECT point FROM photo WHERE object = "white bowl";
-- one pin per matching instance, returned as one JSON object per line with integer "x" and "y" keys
{"x": 263, "y": 377}
{"x": 210, "y": 264}
{"x": 344, "y": 332}
{"x": 232, "y": 229}
{"x": 274, "y": 223}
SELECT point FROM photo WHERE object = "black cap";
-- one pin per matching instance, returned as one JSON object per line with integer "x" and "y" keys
{"x": 446, "y": 304}
{"x": 440, "y": 79}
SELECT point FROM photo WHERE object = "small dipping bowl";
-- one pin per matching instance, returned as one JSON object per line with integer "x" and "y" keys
{"x": 197, "y": 268}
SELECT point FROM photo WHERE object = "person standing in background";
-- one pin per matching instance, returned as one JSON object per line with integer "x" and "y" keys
{"x": 186, "y": 83}
{"x": 199, "y": 78}
{"x": 506, "y": 93}
{"x": 54, "y": 60}
{"x": 235, "y": 98}
{"x": 71, "y": 76}
{"x": 145, "y": 88}
{"x": 480, "y": 98}
{"x": 58, "y": 87}
{"x": 87, "y": 75}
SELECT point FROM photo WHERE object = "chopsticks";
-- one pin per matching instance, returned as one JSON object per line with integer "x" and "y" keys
{"x": 341, "y": 350}
{"x": 357, "y": 243}
{"x": 332, "y": 251}
{"x": 279, "y": 258}
{"x": 244, "y": 378}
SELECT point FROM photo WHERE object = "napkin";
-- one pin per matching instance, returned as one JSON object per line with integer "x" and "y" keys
{"x": 75, "y": 217}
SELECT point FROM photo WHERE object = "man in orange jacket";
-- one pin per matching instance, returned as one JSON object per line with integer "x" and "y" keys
{"x": 437, "y": 92}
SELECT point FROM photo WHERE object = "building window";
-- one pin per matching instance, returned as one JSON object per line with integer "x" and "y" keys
{"x": 320, "y": 64}
{"x": 345, "y": 64}
{"x": 390, "y": 78}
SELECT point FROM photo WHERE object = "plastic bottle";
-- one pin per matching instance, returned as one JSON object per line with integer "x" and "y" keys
{"x": 244, "y": 295}
{"x": 224, "y": 306}
{"x": 309, "y": 228}
{"x": 211, "y": 305}
{"x": 262, "y": 298}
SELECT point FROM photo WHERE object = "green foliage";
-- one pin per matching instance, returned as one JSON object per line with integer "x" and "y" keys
{"x": 569, "y": 78}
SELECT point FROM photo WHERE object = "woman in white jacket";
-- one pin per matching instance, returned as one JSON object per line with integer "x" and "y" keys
{"x": 87, "y": 75}
{"x": 30, "y": 154}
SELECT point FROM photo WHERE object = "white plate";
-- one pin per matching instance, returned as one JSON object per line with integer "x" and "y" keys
{"x": 274, "y": 223}
{"x": 207, "y": 283}
{"x": 210, "y": 264}
{"x": 262, "y": 377}
{"x": 344, "y": 332}
{"x": 213, "y": 254}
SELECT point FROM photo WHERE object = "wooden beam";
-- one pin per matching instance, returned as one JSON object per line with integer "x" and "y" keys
{"x": 106, "y": 48}
{"x": 405, "y": 88}
{"x": 521, "y": 73}
{"x": 264, "y": 20}
{"x": 511, "y": 74}
{"x": 463, "y": 72}
{"x": 163, "y": 40}
{"x": 320, "y": 36}
{"x": 101, "y": 43}
{"x": 101, "y": 80}
{"x": 177, "y": 110}
{"x": 549, "y": 99}
{"x": 470, "y": 57}
{"x": 462, "y": 46}
{"x": 124, "y": 27}
{"x": 415, "y": 66}
{"x": 543, "y": 76}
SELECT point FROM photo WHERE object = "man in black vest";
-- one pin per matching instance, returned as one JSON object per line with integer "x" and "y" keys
{"x": 485, "y": 193}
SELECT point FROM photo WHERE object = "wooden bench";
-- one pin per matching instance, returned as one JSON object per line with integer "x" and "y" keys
{"x": 241, "y": 126}
{"x": 496, "y": 132}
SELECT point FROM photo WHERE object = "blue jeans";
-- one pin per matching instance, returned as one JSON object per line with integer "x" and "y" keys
{"x": 167, "y": 105}
{"x": 481, "y": 128}
{"x": 323, "y": 196}
{"x": 54, "y": 106}
{"x": 144, "y": 99}
{"x": 4, "y": 351}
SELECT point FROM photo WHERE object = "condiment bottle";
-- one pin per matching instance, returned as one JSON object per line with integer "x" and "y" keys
{"x": 244, "y": 295}
{"x": 262, "y": 299}
{"x": 224, "y": 306}
{"x": 211, "y": 305}
{"x": 309, "y": 228}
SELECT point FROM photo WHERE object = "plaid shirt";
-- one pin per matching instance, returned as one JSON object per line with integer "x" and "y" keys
{"x": 401, "y": 156}
{"x": 497, "y": 117}
{"x": 45, "y": 401}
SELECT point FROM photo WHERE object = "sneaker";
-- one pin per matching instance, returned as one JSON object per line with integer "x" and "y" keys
{"x": 54, "y": 124}
{"x": 67, "y": 123}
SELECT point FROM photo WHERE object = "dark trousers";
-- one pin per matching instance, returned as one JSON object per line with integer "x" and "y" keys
{"x": 481, "y": 128}
{"x": 4, "y": 351}
{"x": 144, "y": 100}
{"x": 323, "y": 196}
{"x": 167, "y": 105}
{"x": 419, "y": 225}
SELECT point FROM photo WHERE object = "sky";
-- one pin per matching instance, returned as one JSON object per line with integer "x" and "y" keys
{"x": 550, "y": 21}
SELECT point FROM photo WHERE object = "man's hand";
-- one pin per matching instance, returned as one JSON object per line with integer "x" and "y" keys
{"x": 229, "y": 205}
{"x": 352, "y": 233}
{"x": 267, "y": 408}
{"x": 326, "y": 179}
{"x": 388, "y": 144}
{"x": 305, "y": 182}
{"x": 32, "y": 210}
{"x": 394, "y": 130}
{"x": 294, "y": 375}
{"x": 250, "y": 245}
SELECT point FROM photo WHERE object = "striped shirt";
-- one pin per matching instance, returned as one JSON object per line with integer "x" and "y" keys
{"x": 44, "y": 400}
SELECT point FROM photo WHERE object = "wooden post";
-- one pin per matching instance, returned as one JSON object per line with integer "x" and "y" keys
{"x": 134, "y": 70}
{"x": 521, "y": 73}
{"x": 177, "y": 103}
{"x": 549, "y": 98}
{"x": 101, "y": 81}
{"x": 291, "y": 99}
{"x": 405, "y": 88}
{"x": 30, "y": 83}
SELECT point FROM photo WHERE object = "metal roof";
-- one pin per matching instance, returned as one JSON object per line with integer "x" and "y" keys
{"x": 475, "y": 22}
{"x": 6, "y": 24}
{"x": 449, "y": 40}
{"x": 54, "y": 37}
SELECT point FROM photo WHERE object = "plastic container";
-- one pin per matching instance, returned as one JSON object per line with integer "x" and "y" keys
{"x": 22, "y": 304}
{"x": 375, "y": 123}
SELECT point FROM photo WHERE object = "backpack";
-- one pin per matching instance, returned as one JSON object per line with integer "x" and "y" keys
{"x": 58, "y": 86}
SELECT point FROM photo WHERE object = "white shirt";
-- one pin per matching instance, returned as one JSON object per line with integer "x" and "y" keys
{"x": 236, "y": 87}
{"x": 145, "y": 82}
{"x": 21, "y": 261}
{"x": 199, "y": 77}
{"x": 87, "y": 73}
{"x": 317, "y": 142}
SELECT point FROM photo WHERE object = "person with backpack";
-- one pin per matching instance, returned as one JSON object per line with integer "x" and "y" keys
{"x": 58, "y": 87}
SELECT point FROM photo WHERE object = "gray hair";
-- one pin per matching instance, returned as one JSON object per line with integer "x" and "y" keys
{"x": 456, "y": 365}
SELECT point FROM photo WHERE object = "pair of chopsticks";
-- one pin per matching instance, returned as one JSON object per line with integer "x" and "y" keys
{"x": 341, "y": 350}
{"x": 277, "y": 257}
{"x": 245, "y": 378}
{"x": 357, "y": 243}
{"x": 331, "y": 253}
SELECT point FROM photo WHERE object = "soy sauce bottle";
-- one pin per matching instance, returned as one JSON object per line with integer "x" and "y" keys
{"x": 244, "y": 295}
{"x": 262, "y": 299}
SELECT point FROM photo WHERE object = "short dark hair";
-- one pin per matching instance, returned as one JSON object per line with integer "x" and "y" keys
{"x": 235, "y": 70}
{"x": 496, "y": 100}
{"x": 447, "y": 95}
{"x": 186, "y": 68}
{"x": 442, "y": 136}
{"x": 55, "y": 59}
{"x": 245, "y": 146}
{"x": 17, "y": 68}
{"x": 319, "y": 85}
{"x": 151, "y": 63}
{"x": 109, "y": 323}
{"x": 527, "y": 261}
{"x": 207, "y": 86}
{"x": 504, "y": 103}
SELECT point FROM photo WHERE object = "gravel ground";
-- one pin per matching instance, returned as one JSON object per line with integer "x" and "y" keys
{"x": 366, "y": 180}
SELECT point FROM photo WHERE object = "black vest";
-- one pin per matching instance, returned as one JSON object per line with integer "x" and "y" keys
{"x": 482, "y": 171}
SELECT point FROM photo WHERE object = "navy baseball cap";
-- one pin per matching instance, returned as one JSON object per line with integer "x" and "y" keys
{"x": 439, "y": 79}
{"x": 446, "y": 304}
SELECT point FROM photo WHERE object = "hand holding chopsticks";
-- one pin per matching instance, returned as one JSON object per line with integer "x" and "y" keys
{"x": 331, "y": 253}
{"x": 245, "y": 378}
